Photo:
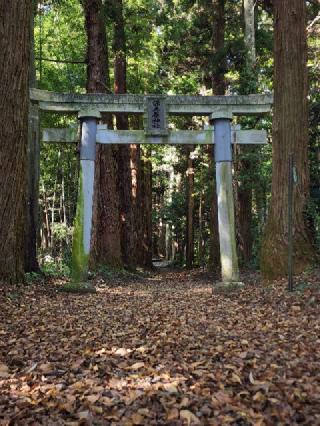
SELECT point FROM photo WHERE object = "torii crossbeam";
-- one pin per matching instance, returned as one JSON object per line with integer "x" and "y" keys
{"x": 155, "y": 108}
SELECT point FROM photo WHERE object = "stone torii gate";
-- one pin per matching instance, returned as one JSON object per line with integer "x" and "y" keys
{"x": 156, "y": 109}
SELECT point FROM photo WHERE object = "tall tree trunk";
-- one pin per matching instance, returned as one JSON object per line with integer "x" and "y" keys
{"x": 219, "y": 56}
{"x": 33, "y": 166}
{"x": 249, "y": 31}
{"x": 53, "y": 203}
{"x": 190, "y": 209}
{"x": 243, "y": 166}
{"x": 147, "y": 241}
{"x": 290, "y": 135}
{"x": 218, "y": 88}
{"x": 169, "y": 230}
{"x": 201, "y": 236}
{"x": 144, "y": 205}
{"x": 243, "y": 195}
{"x": 135, "y": 164}
{"x": 127, "y": 223}
{"x": 14, "y": 94}
{"x": 106, "y": 229}
{"x": 45, "y": 223}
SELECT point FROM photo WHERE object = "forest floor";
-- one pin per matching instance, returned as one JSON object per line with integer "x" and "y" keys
{"x": 161, "y": 350}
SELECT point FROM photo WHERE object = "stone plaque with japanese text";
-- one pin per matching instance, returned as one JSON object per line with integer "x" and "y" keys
{"x": 156, "y": 116}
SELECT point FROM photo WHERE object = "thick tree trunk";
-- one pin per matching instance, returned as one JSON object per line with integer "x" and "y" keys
{"x": 14, "y": 94}
{"x": 106, "y": 248}
{"x": 33, "y": 166}
{"x": 32, "y": 208}
{"x": 190, "y": 209}
{"x": 127, "y": 222}
{"x": 290, "y": 135}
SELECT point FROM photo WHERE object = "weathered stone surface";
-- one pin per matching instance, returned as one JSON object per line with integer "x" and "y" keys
{"x": 59, "y": 135}
{"x": 186, "y": 105}
{"x": 83, "y": 219}
{"x": 179, "y": 137}
{"x": 227, "y": 238}
{"x": 89, "y": 111}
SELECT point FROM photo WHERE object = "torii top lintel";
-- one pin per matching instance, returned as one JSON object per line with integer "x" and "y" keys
{"x": 135, "y": 104}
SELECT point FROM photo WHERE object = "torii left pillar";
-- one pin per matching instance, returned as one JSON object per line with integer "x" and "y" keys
{"x": 83, "y": 221}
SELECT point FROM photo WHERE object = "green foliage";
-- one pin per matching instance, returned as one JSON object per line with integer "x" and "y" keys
{"x": 33, "y": 277}
{"x": 54, "y": 268}
{"x": 61, "y": 231}
{"x": 60, "y": 35}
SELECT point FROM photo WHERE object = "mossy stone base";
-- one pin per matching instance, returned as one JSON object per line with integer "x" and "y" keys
{"x": 227, "y": 287}
{"x": 78, "y": 288}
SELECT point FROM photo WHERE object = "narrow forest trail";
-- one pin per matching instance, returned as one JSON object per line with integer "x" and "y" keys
{"x": 161, "y": 350}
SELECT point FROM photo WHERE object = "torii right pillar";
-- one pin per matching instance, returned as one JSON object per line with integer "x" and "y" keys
{"x": 221, "y": 120}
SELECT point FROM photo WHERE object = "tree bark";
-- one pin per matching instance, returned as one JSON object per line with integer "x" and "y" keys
{"x": 243, "y": 195}
{"x": 147, "y": 241}
{"x": 144, "y": 206}
{"x": 33, "y": 166}
{"x": 290, "y": 135}
{"x": 190, "y": 209}
{"x": 243, "y": 167}
{"x": 14, "y": 94}
{"x": 125, "y": 188}
{"x": 106, "y": 248}
{"x": 201, "y": 233}
{"x": 219, "y": 56}
{"x": 249, "y": 31}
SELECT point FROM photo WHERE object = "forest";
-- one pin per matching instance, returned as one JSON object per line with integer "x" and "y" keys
{"x": 159, "y": 212}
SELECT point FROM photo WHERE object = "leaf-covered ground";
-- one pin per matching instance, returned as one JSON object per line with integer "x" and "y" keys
{"x": 160, "y": 351}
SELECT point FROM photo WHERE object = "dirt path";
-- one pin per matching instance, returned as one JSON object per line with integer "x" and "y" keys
{"x": 162, "y": 350}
